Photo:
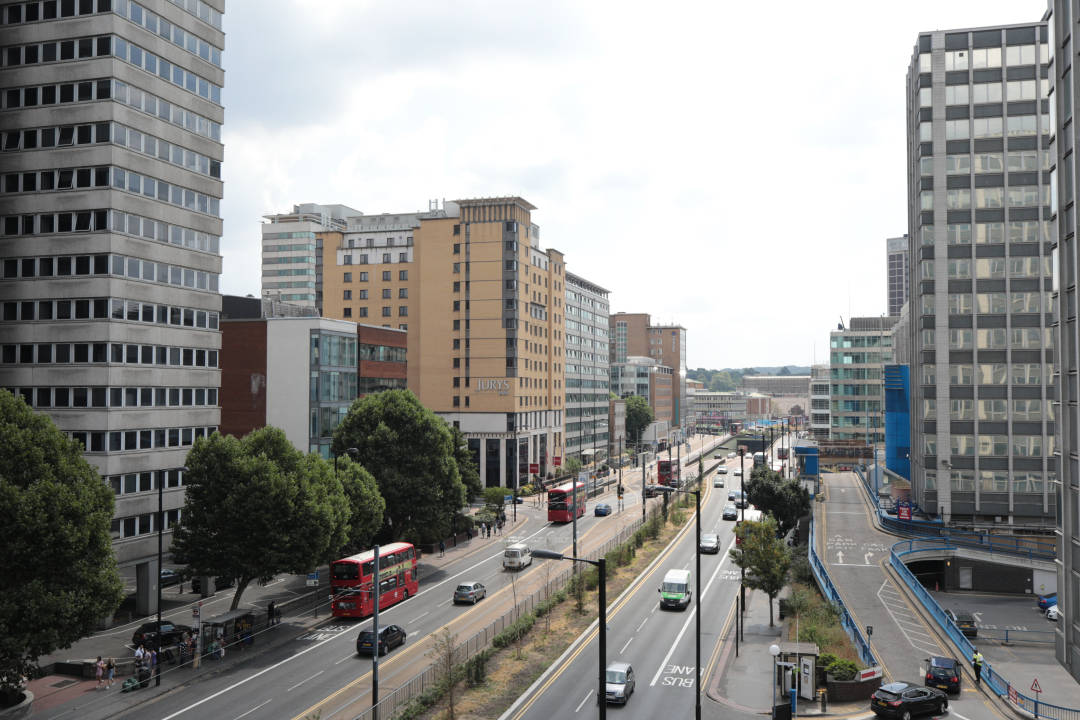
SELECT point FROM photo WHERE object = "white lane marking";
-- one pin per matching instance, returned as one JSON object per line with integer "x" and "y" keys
{"x": 690, "y": 617}
{"x": 305, "y": 680}
{"x": 418, "y": 617}
{"x": 642, "y": 624}
{"x": 626, "y": 646}
{"x": 444, "y": 604}
{"x": 251, "y": 710}
{"x": 583, "y": 701}
{"x": 350, "y": 656}
{"x": 934, "y": 650}
{"x": 953, "y": 713}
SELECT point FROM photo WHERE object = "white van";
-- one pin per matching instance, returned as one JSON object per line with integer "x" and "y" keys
{"x": 676, "y": 589}
{"x": 517, "y": 556}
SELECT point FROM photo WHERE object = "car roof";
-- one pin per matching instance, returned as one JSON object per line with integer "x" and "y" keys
{"x": 896, "y": 687}
{"x": 618, "y": 666}
{"x": 963, "y": 614}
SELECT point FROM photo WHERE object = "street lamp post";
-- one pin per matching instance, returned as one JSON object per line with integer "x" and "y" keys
{"x": 697, "y": 597}
{"x": 774, "y": 650}
{"x": 601, "y": 566}
{"x": 742, "y": 497}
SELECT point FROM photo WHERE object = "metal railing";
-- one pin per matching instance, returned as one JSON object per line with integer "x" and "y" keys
{"x": 1000, "y": 685}
{"x": 821, "y": 574}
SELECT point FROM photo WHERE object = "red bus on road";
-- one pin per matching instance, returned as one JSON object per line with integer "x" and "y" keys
{"x": 782, "y": 453}
{"x": 351, "y": 580}
{"x": 664, "y": 472}
{"x": 561, "y": 502}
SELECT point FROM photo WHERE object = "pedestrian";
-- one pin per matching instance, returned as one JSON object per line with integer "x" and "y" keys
{"x": 139, "y": 653}
{"x": 99, "y": 671}
{"x": 483, "y": 530}
{"x": 153, "y": 662}
{"x": 270, "y": 614}
{"x": 442, "y": 548}
{"x": 110, "y": 668}
{"x": 977, "y": 663}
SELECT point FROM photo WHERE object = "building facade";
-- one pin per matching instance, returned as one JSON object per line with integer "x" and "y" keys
{"x": 587, "y": 370}
{"x": 667, "y": 345}
{"x": 293, "y": 246}
{"x": 983, "y": 423}
{"x": 820, "y": 402}
{"x": 857, "y": 358}
{"x": 778, "y": 385}
{"x": 898, "y": 273}
{"x": 111, "y": 234}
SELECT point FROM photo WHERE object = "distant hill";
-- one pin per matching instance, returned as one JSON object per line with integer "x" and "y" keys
{"x": 730, "y": 379}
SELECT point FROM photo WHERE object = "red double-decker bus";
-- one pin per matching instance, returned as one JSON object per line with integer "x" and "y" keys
{"x": 664, "y": 472}
{"x": 352, "y": 580}
{"x": 561, "y": 502}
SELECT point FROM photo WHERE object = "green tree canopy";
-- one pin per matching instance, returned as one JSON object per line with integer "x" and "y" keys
{"x": 785, "y": 500}
{"x": 366, "y": 506}
{"x": 638, "y": 417}
{"x": 763, "y": 556}
{"x": 58, "y": 566}
{"x": 410, "y": 452}
{"x": 470, "y": 473}
{"x": 257, "y": 507}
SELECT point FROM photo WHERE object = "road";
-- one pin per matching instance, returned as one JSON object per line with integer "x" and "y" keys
{"x": 319, "y": 671}
{"x": 853, "y": 549}
{"x": 659, "y": 644}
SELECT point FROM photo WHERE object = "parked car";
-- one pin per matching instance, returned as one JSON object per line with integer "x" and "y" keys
{"x": 220, "y": 583}
{"x": 619, "y": 681}
{"x": 1052, "y": 613}
{"x": 710, "y": 543}
{"x": 390, "y": 637}
{"x": 731, "y": 512}
{"x": 470, "y": 592}
{"x": 170, "y": 577}
{"x": 1045, "y": 601}
{"x": 943, "y": 673}
{"x": 146, "y": 633}
{"x": 601, "y": 509}
{"x": 965, "y": 621}
{"x": 903, "y": 700}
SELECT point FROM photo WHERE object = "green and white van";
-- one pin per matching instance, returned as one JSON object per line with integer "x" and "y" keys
{"x": 676, "y": 589}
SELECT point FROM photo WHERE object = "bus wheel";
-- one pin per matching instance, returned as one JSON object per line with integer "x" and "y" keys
{"x": 406, "y": 596}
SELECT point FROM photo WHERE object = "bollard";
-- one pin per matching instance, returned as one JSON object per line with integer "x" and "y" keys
{"x": 823, "y": 697}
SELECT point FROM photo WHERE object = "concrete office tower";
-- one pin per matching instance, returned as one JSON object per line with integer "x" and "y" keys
{"x": 982, "y": 423}
{"x": 820, "y": 398}
{"x": 633, "y": 334}
{"x": 111, "y": 223}
{"x": 293, "y": 251}
{"x": 483, "y": 305}
{"x": 857, "y": 357}
{"x": 587, "y": 378}
{"x": 897, "y": 279}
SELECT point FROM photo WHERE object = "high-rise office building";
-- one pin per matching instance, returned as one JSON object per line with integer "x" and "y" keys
{"x": 633, "y": 334}
{"x": 897, "y": 279}
{"x": 587, "y": 369}
{"x": 820, "y": 400}
{"x": 111, "y": 121}
{"x": 857, "y": 358}
{"x": 294, "y": 246}
{"x": 483, "y": 307}
{"x": 982, "y": 424}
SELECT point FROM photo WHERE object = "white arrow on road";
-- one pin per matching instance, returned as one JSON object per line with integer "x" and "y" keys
{"x": 867, "y": 556}
{"x": 840, "y": 556}
{"x": 977, "y": 616}
{"x": 843, "y": 490}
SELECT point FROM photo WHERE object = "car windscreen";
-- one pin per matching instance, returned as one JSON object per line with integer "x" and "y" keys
{"x": 940, "y": 662}
{"x": 616, "y": 677}
{"x": 673, "y": 587}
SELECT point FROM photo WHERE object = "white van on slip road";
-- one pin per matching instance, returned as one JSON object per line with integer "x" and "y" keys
{"x": 676, "y": 589}
{"x": 517, "y": 556}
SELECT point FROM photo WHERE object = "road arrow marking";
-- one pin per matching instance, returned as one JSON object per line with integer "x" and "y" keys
{"x": 977, "y": 616}
{"x": 840, "y": 556}
{"x": 867, "y": 556}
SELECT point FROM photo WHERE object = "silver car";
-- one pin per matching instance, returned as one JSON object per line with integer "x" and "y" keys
{"x": 620, "y": 683}
{"x": 469, "y": 592}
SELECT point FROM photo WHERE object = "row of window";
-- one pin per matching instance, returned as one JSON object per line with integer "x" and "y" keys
{"x": 53, "y": 9}
{"x": 99, "y": 309}
{"x": 1020, "y": 231}
{"x": 989, "y": 197}
{"x": 990, "y": 268}
{"x": 403, "y": 294}
{"x": 103, "y": 220}
{"x": 58, "y": 51}
{"x": 990, "y": 162}
{"x": 996, "y": 410}
{"x": 133, "y": 483}
{"x": 989, "y": 57}
{"x": 994, "y": 302}
{"x": 991, "y": 374}
{"x": 139, "y": 525}
{"x": 992, "y": 338}
{"x": 362, "y": 258}
{"x": 386, "y": 274}
{"x": 172, "y": 194}
{"x": 999, "y": 481}
{"x": 154, "y": 147}
{"x": 201, "y": 10}
{"x": 91, "y": 90}
{"x": 115, "y": 441}
{"x": 988, "y": 127}
{"x": 289, "y": 260}
{"x": 111, "y": 353}
{"x": 151, "y": 63}
{"x": 117, "y": 397}
{"x": 403, "y": 311}
{"x": 1015, "y": 90}
{"x": 992, "y": 445}
{"x": 117, "y": 265}
{"x": 300, "y": 247}
{"x": 139, "y": 15}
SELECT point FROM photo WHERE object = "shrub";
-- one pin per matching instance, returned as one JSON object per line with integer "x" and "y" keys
{"x": 518, "y": 629}
{"x": 842, "y": 669}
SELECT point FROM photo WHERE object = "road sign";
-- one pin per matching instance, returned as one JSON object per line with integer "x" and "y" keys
{"x": 1035, "y": 687}
{"x": 557, "y": 461}
{"x": 313, "y": 579}
{"x": 534, "y": 468}
{"x": 903, "y": 510}
{"x": 870, "y": 673}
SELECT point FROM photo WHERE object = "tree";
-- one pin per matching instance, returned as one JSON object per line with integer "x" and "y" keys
{"x": 572, "y": 466}
{"x": 410, "y": 452}
{"x": 763, "y": 556}
{"x": 785, "y": 500}
{"x": 257, "y": 507}
{"x": 470, "y": 473}
{"x": 444, "y": 651}
{"x": 58, "y": 566}
{"x": 638, "y": 417}
{"x": 366, "y": 506}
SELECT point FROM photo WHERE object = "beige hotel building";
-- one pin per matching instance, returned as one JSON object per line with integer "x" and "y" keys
{"x": 482, "y": 303}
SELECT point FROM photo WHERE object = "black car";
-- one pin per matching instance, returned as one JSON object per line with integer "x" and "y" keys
{"x": 389, "y": 638}
{"x": 943, "y": 673}
{"x": 710, "y": 543}
{"x": 965, "y": 621}
{"x": 220, "y": 583}
{"x": 170, "y": 577}
{"x": 731, "y": 512}
{"x": 146, "y": 634}
{"x": 903, "y": 701}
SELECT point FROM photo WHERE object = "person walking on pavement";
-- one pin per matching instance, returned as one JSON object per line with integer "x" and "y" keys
{"x": 99, "y": 672}
{"x": 977, "y": 663}
{"x": 442, "y": 548}
{"x": 270, "y": 613}
{"x": 110, "y": 669}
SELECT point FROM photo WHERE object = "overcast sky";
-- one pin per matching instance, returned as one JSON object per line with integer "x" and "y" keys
{"x": 731, "y": 167}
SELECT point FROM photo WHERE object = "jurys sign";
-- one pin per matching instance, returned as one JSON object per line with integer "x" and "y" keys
{"x": 491, "y": 385}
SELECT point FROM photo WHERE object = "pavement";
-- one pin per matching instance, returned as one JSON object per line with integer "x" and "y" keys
{"x": 743, "y": 684}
